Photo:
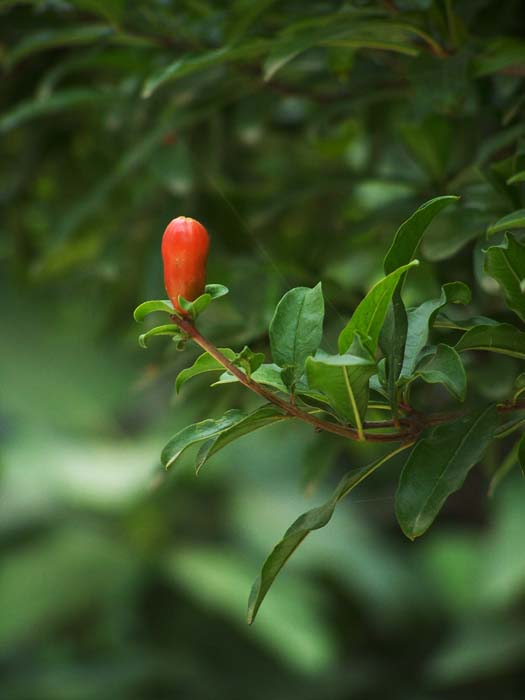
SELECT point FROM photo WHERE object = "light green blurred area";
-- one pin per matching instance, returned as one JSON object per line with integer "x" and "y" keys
{"x": 113, "y": 573}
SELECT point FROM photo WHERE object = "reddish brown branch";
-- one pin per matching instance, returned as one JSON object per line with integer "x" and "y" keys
{"x": 413, "y": 424}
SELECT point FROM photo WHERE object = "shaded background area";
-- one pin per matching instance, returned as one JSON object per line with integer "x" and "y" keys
{"x": 302, "y": 135}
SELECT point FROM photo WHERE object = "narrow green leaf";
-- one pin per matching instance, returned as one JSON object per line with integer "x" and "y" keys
{"x": 204, "y": 363}
{"x": 260, "y": 418}
{"x": 193, "y": 63}
{"x": 443, "y": 321}
{"x": 56, "y": 38}
{"x": 170, "y": 329}
{"x": 443, "y": 366}
{"x": 296, "y": 328}
{"x": 506, "y": 263}
{"x": 438, "y": 466}
{"x": 198, "y": 432}
{"x": 521, "y": 453}
{"x": 410, "y": 233}
{"x": 343, "y": 379}
{"x": 148, "y": 307}
{"x": 66, "y": 99}
{"x": 518, "y": 177}
{"x": 504, "y": 468}
{"x": 354, "y": 29}
{"x": 296, "y": 533}
{"x": 502, "y": 338}
{"x": 421, "y": 319}
{"x": 514, "y": 220}
{"x": 392, "y": 340}
{"x": 367, "y": 320}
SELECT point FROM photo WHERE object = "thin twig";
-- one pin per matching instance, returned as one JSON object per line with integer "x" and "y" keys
{"x": 286, "y": 406}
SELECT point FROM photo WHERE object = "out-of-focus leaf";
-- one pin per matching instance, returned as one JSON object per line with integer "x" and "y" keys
{"x": 192, "y": 63}
{"x": 437, "y": 467}
{"x": 498, "y": 55}
{"x": 260, "y": 418}
{"x": 521, "y": 453}
{"x": 410, "y": 233}
{"x": 65, "y": 99}
{"x": 514, "y": 220}
{"x": 296, "y": 533}
{"x": 502, "y": 338}
{"x": 518, "y": 177}
{"x": 421, "y": 320}
{"x": 443, "y": 366}
{"x": 506, "y": 263}
{"x": 198, "y": 432}
{"x": 506, "y": 465}
{"x": 243, "y": 14}
{"x": 296, "y": 328}
{"x": 352, "y": 30}
{"x": 368, "y": 318}
{"x": 55, "y": 38}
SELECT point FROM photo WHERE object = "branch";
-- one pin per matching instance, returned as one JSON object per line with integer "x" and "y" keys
{"x": 286, "y": 406}
{"x": 413, "y": 424}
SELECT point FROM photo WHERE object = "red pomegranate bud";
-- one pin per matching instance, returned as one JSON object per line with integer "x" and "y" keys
{"x": 185, "y": 246}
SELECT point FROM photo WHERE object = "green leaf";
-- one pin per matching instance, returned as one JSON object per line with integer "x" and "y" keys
{"x": 248, "y": 360}
{"x": 410, "y": 233}
{"x": 170, "y": 329}
{"x": 499, "y": 54}
{"x": 514, "y": 220}
{"x": 506, "y": 263}
{"x": 198, "y": 305}
{"x": 518, "y": 177}
{"x": 404, "y": 246}
{"x": 438, "y": 466}
{"x": 421, "y": 320}
{"x": 149, "y": 307}
{"x": 198, "y": 432}
{"x": 260, "y": 418}
{"x": 504, "y": 467}
{"x": 296, "y": 533}
{"x": 465, "y": 324}
{"x": 343, "y": 379}
{"x": 502, "y": 338}
{"x": 268, "y": 374}
{"x": 66, "y": 99}
{"x": 353, "y": 29}
{"x": 367, "y": 320}
{"x": 56, "y": 38}
{"x": 443, "y": 366}
{"x": 193, "y": 63}
{"x": 296, "y": 328}
{"x": 204, "y": 363}
{"x": 521, "y": 453}
{"x": 392, "y": 340}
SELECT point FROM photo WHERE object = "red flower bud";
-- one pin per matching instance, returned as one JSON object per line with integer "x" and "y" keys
{"x": 185, "y": 246}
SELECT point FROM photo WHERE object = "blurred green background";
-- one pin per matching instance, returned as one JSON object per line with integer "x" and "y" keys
{"x": 301, "y": 134}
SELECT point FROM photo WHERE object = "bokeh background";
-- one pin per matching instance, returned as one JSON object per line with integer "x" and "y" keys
{"x": 301, "y": 134}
